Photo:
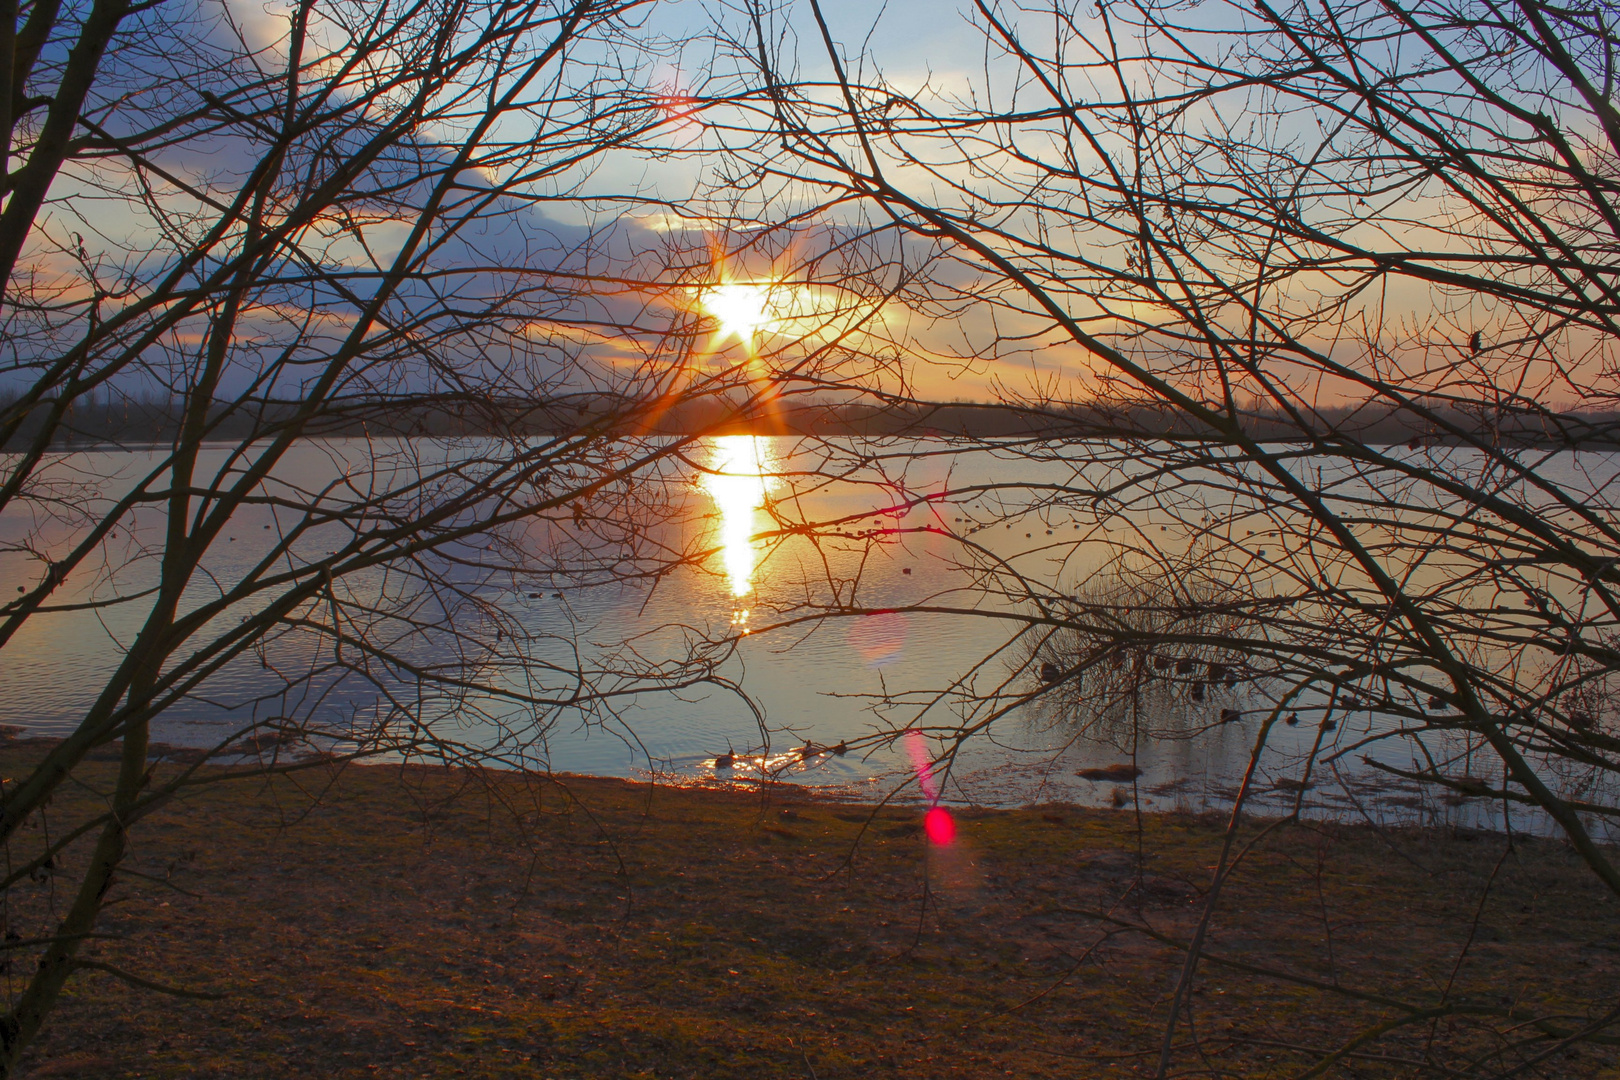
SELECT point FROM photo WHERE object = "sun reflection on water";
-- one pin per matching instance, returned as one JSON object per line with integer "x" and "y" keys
{"x": 740, "y": 479}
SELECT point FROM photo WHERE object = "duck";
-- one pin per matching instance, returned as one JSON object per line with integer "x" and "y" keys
{"x": 1050, "y": 673}
{"x": 725, "y": 760}
{"x": 841, "y": 749}
{"x": 1292, "y": 720}
{"x": 1231, "y": 716}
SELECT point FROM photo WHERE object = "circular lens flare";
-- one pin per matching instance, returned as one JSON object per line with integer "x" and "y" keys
{"x": 880, "y": 638}
{"x": 939, "y": 826}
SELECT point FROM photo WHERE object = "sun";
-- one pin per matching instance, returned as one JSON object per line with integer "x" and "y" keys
{"x": 742, "y": 309}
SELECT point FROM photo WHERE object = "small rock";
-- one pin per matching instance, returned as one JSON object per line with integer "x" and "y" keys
{"x": 1122, "y": 773}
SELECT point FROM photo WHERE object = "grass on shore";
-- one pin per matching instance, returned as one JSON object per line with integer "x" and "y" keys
{"x": 420, "y": 922}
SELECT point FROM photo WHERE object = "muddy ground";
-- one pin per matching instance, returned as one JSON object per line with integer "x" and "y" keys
{"x": 424, "y": 922}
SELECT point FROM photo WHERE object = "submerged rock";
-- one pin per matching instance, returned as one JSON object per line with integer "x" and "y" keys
{"x": 1124, "y": 772}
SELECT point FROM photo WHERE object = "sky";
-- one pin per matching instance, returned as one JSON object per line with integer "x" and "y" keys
{"x": 912, "y": 42}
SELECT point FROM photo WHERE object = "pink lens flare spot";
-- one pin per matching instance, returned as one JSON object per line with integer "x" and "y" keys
{"x": 939, "y": 826}
{"x": 917, "y": 750}
{"x": 880, "y": 638}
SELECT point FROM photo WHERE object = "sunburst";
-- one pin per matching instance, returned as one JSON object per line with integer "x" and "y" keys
{"x": 742, "y": 310}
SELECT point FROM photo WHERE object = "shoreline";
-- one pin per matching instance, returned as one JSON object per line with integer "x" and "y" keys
{"x": 1257, "y": 810}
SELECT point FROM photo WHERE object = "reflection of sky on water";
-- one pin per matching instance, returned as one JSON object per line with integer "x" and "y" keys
{"x": 815, "y": 683}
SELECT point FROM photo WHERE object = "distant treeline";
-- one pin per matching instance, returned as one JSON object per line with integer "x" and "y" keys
{"x": 112, "y": 421}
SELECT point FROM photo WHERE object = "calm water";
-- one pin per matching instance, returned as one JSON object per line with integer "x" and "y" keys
{"x": 824, "y": 682}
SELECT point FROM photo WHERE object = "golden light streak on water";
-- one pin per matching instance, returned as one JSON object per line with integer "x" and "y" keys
{"x": 740, "y": 480}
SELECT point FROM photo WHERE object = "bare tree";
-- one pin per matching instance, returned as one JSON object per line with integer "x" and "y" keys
{"x": 1311, "y": 299}
{"x": 1317, "y": 309}
{"x": 331, "y": 285}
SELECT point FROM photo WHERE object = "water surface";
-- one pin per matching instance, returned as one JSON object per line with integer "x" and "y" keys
{"x": 793, "y": 683}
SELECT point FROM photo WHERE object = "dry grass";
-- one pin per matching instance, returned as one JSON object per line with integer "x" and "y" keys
{"x": 421, "y": 922}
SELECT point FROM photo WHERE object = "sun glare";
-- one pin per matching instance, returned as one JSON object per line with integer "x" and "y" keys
{"x": 742, "y": 310}
{"x": 738, "y": 485}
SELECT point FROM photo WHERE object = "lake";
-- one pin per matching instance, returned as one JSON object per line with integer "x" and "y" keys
{"x": 789, "y": 680}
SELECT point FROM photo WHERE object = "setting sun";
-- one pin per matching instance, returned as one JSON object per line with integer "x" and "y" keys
{"x": 742, "y": 310}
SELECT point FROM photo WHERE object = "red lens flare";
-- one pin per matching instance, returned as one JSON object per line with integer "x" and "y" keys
{"x": 937, "y": 822}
